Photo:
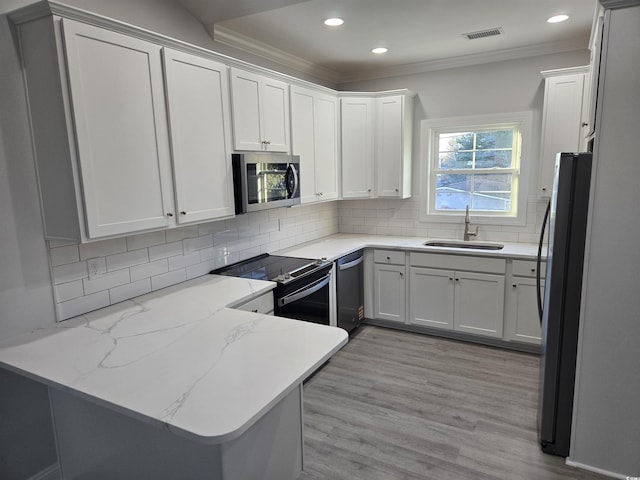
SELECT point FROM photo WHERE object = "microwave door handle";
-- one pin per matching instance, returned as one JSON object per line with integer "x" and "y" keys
{"x": 292, "y": 190}
{"x": 348, "y": 265}
{"x": 304, "y": 292}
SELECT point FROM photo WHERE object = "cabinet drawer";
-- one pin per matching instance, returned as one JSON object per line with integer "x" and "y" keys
{"x": 458, "y": 262}
{"x": 391, "y": 257}
{"x": 527, "y": 268}
{"x": 261, "y": 304}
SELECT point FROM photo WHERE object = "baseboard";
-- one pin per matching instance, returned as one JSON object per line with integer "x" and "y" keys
{"x": 464, "y": 337}
{"x": 590, "y": 468}
{"x": 52, "y": 472}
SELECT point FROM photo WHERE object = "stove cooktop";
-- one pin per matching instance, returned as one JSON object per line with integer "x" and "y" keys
{"x": 271, "y": 267}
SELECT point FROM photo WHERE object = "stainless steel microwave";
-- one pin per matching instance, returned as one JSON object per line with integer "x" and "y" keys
{"x": 265, "y": 180}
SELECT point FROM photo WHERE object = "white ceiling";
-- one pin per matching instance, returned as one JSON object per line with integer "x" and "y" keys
{"x": 421, "y": 35}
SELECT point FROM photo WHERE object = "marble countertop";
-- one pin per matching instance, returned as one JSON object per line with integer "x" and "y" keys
{"x": 335, "y": 246}
{"x": 178, "y": 358}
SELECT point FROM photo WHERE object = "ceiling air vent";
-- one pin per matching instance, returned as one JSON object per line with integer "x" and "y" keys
{"x": 491, "y": 32}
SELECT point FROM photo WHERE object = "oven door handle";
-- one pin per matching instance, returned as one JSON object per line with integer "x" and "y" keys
{"x": 348, "y": 265}
{"x": 305, "y": 291}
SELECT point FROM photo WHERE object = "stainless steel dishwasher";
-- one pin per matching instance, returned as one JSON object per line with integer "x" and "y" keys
{"x": 350, "y": 290}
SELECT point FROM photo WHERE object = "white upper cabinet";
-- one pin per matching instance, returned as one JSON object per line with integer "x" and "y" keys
{"x": 393, "y": 146}
{"x": 117, "y": 100}
{"x": 314, "y": 135}
{"x": 260, "y": 112}
{"x": 563, "y": 121}
{"x": 376, "y": 145}
{"x": 198, "y": 101}
{"x": 357, "y": 147}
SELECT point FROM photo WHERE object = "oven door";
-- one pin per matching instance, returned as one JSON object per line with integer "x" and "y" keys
{"x": 307, "y": 298}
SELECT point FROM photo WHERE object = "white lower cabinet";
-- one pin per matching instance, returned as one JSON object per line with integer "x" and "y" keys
{"x": 431, "y": 294}
{"x": 390, "y": 292}
{"x": 522, "y": 323}
{"x": 462, "y": 301}
{"x": 479, "y": 303}
{"x": 454, "y": 299}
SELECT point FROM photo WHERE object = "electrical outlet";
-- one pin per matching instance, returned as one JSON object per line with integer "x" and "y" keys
{"x": 96, "y": 266}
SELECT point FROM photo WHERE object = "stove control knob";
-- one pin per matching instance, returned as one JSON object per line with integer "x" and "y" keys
{"x": 287, "y": 276}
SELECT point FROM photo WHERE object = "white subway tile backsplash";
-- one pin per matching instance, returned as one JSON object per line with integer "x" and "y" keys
{"x": 127, "y": 259}
{"x": 106, "y": 281}
{"x": 81, "y": 305}
{"x": 165, "y": 251}
{"x": 177, "y": 234}
{"x": 136, "y": 264}
{"x": 102, "y": 248}
{"x": 200, "y": 269}
{"x": 64, "y": 255}
{"x": 68, "y": 291}
{"x": 145, "y": 240}
{"x": 69, "y": 272}
{"x": 150, "y": 269}
{"x": 198, "y": 243}
{"x": 130, "y": 290}
{"x": 167, "y": 279}
{"x": 183, "y": 261}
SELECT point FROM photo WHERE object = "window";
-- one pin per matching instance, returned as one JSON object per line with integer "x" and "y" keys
{"x": 477, "y": 162}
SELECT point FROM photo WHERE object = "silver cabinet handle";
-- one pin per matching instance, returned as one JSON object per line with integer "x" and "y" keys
{"x": 169, "y": 214}
{"x": 401, "y": 274}
{"x": 183, "y": 213}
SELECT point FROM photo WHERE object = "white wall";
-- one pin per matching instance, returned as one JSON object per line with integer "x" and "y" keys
{"x": 509, "y": 86}
{"x": 606, "y": 427}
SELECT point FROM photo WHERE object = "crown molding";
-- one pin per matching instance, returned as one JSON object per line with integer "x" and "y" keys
{"x": 466, "y": 60}
{"x": 263, "y": 50}
{"x": 247, "y": 44}
{"x": 611, "y": 4}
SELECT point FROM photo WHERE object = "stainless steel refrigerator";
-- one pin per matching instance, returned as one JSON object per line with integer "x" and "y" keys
{"x": 560, "y": 307}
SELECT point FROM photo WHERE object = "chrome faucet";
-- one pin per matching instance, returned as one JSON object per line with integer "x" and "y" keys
{"x": 468, "y": 233}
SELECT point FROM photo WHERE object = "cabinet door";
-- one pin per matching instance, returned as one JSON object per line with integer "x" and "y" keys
{"x": 357, "y": 147}
{"x": 389, "y": 296}
{"x": 119, "y": 114}
{"x": 245, "y": 103}
{"x": 197, "y": 94}
{"x": 479, "y": 303}
{"x": 389, "y": 147}
{"x": 561, "y": 124}
{"x": 274, "y": 98}
{"x": 302, "y": 141}
{"x": 522, "y": 323}
{"x": 431, "y": 294}
{"x": 326, "y": 147}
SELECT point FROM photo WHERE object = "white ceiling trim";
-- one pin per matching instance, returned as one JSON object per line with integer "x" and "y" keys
{"x": 468, "y": 60}
{"x": 250, "y": 45}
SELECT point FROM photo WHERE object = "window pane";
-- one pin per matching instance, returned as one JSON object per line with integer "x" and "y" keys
{"x": 453, "y": 191}
{"x": 451, "y": 160}
{"x": 493, "y": 159}
{"x": 493, "y": 183}
{"x": 494, "y": 139}
{"x": 452, "y": 142}
{"x": 491, "y": 192}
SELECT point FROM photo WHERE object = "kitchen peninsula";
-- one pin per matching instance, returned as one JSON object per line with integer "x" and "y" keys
{"x": 174, "y": 384}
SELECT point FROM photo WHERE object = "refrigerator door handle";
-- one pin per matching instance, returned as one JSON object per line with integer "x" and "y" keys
{"x": 539, "y": 260}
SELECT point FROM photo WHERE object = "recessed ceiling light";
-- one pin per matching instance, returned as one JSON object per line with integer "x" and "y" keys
{"x": 333, "y": 22}
{"x": 379, "y": 50}
{"x": 558, "y": 18}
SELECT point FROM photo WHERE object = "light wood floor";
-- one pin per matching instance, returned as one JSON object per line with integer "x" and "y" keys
{"x": 398, "y": 405}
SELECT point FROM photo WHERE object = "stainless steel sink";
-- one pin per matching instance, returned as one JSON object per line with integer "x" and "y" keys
{"x": 463, "y": 244}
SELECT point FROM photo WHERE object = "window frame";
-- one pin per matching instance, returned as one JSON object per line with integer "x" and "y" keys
{"x": 430, "y": 130}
